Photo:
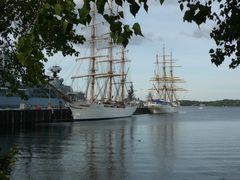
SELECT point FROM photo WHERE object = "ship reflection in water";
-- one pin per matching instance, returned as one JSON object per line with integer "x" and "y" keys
{"x": 186, "y": 146}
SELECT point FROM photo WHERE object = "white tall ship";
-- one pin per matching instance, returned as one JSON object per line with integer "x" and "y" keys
{"x": 163, "y": 95}
{"x": 103, "y": 78}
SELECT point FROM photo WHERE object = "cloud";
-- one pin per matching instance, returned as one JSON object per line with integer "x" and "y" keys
{"x": 148, "y": 37}
{"x": 153, "y": 37}
{"x": 198, "y": 33}
{"x": 171, "y": 2}
{"x": 166, "y": 2}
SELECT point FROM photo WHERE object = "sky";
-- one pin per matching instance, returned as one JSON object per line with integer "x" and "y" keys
{"x": 190, "y": 44}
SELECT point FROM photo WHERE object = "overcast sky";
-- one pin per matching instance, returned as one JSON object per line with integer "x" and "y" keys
{"x": 189, "y": 45}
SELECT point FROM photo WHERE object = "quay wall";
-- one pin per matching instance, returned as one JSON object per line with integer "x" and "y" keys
{"x": 142, "y": 110}
{"x": 31, "y": 116}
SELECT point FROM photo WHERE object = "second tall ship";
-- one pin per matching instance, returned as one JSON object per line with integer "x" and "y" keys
{"x": 104, "y": 80}
{"x": 163, "y": 94}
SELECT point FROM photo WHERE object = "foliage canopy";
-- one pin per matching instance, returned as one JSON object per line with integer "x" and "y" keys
{"x": 32, "y": 30}
{"x": 225, "y": 33}
{"x": 7, "y": 161}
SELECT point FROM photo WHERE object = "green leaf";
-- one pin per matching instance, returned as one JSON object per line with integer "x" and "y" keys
{"x": 161, "y": 1}
{"x": 100, "y": 5}
{"x": 188, "y": 16}
{"x": 47, "y": 6}
{"x": 58, "y": 9}
{"x": 65, "y": 24}
{"x": 134, "y": 8}
{"x": 21, "y": 57}
{"x": 211, "y": 51}
{"x": 118, "y": 2}
{"x": 84, "y": 14}
{"x": 202, "y": 14}
{"x": 121, "y": 14}
{"x": 137, "y": 29}
{"x": 125, "y": 42}
{"x": 116, "y": 27}
{"x": 145, "y": 7}
{"x": 181, "y": 7}
{"x": 127, "y": 31}
{"x": 120, "y": 40}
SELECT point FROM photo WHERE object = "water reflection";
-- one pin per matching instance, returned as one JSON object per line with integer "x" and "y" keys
{"x": 40, "y": 146}
{"x": 122, "y": 148}
{"x": 165, "y": 147}
{"x": 125, "y": 147}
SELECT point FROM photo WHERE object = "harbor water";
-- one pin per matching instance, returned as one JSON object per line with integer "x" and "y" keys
{"x": 194, "y": 144}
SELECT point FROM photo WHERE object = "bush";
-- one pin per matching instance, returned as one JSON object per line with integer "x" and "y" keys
{"x": 6, "y": 162}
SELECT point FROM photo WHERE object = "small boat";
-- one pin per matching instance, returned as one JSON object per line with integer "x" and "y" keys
{"x": 163, "y": 97}
{"x": 201, "y": 105}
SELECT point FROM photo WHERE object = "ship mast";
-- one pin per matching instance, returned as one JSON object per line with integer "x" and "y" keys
{"x": 157, "y": 73}
{"x": 110, "y": 51}
{"x": 171, "y": 78}
{"x": 164, "y": 74}
{"x": 123, "y": 74}
{"x": 164, "y": 82}
{"x": 93, "y": 58}
{"x": 95, "y": 73}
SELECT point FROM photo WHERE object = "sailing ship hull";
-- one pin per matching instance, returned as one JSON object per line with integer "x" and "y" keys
{"x": 99, "y": 111}
{"x": 162, "y": 108}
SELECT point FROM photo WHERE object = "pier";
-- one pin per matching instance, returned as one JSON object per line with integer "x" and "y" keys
{"x": 31, "y": 116}
{"x": 142, "y": 110}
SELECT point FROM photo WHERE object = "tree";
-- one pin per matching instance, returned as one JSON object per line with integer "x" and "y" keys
{"x": 226, "y": 33}
{"x": 7, "y": 161}
{"x": 149, "y": 96}
{"x": 131, "y": 95}
{"x": 33, "y": 30}
{"x": 30, "y": 28}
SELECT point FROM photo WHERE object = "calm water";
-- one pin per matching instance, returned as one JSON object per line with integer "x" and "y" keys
{"x": 190, "y": 145}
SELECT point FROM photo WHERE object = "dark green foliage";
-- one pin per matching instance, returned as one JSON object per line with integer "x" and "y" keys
{"x": 29, "y": 28}
{"x": 37, "y": 27}
{"x": 6, "y": 163}
{"x": 161, "y": 1}
{"x": 134, "y": 8}
{"x": 225, "y": 102}
{"x": 40, "y": 26}
{"x": 189, "y": 103}
{"x": 226, "y": 32}
{"x": 131, "y": 95}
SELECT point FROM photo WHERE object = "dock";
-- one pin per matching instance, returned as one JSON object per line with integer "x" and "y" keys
{"x": 33, "y": 116}
{"x": 142, "y": 110}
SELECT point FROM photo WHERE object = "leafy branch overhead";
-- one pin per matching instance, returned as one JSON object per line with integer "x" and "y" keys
{"x": 120, "y": 32}
{"x": 225, "y": 33}
{"x": 33, "y": 30}
{"x": 36, "y": 29}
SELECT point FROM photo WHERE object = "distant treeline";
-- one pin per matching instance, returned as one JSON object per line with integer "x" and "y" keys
{"x": 224, "y": 102}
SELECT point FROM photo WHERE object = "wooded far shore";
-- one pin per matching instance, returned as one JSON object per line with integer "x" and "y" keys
{"x": 224, "y": 102}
